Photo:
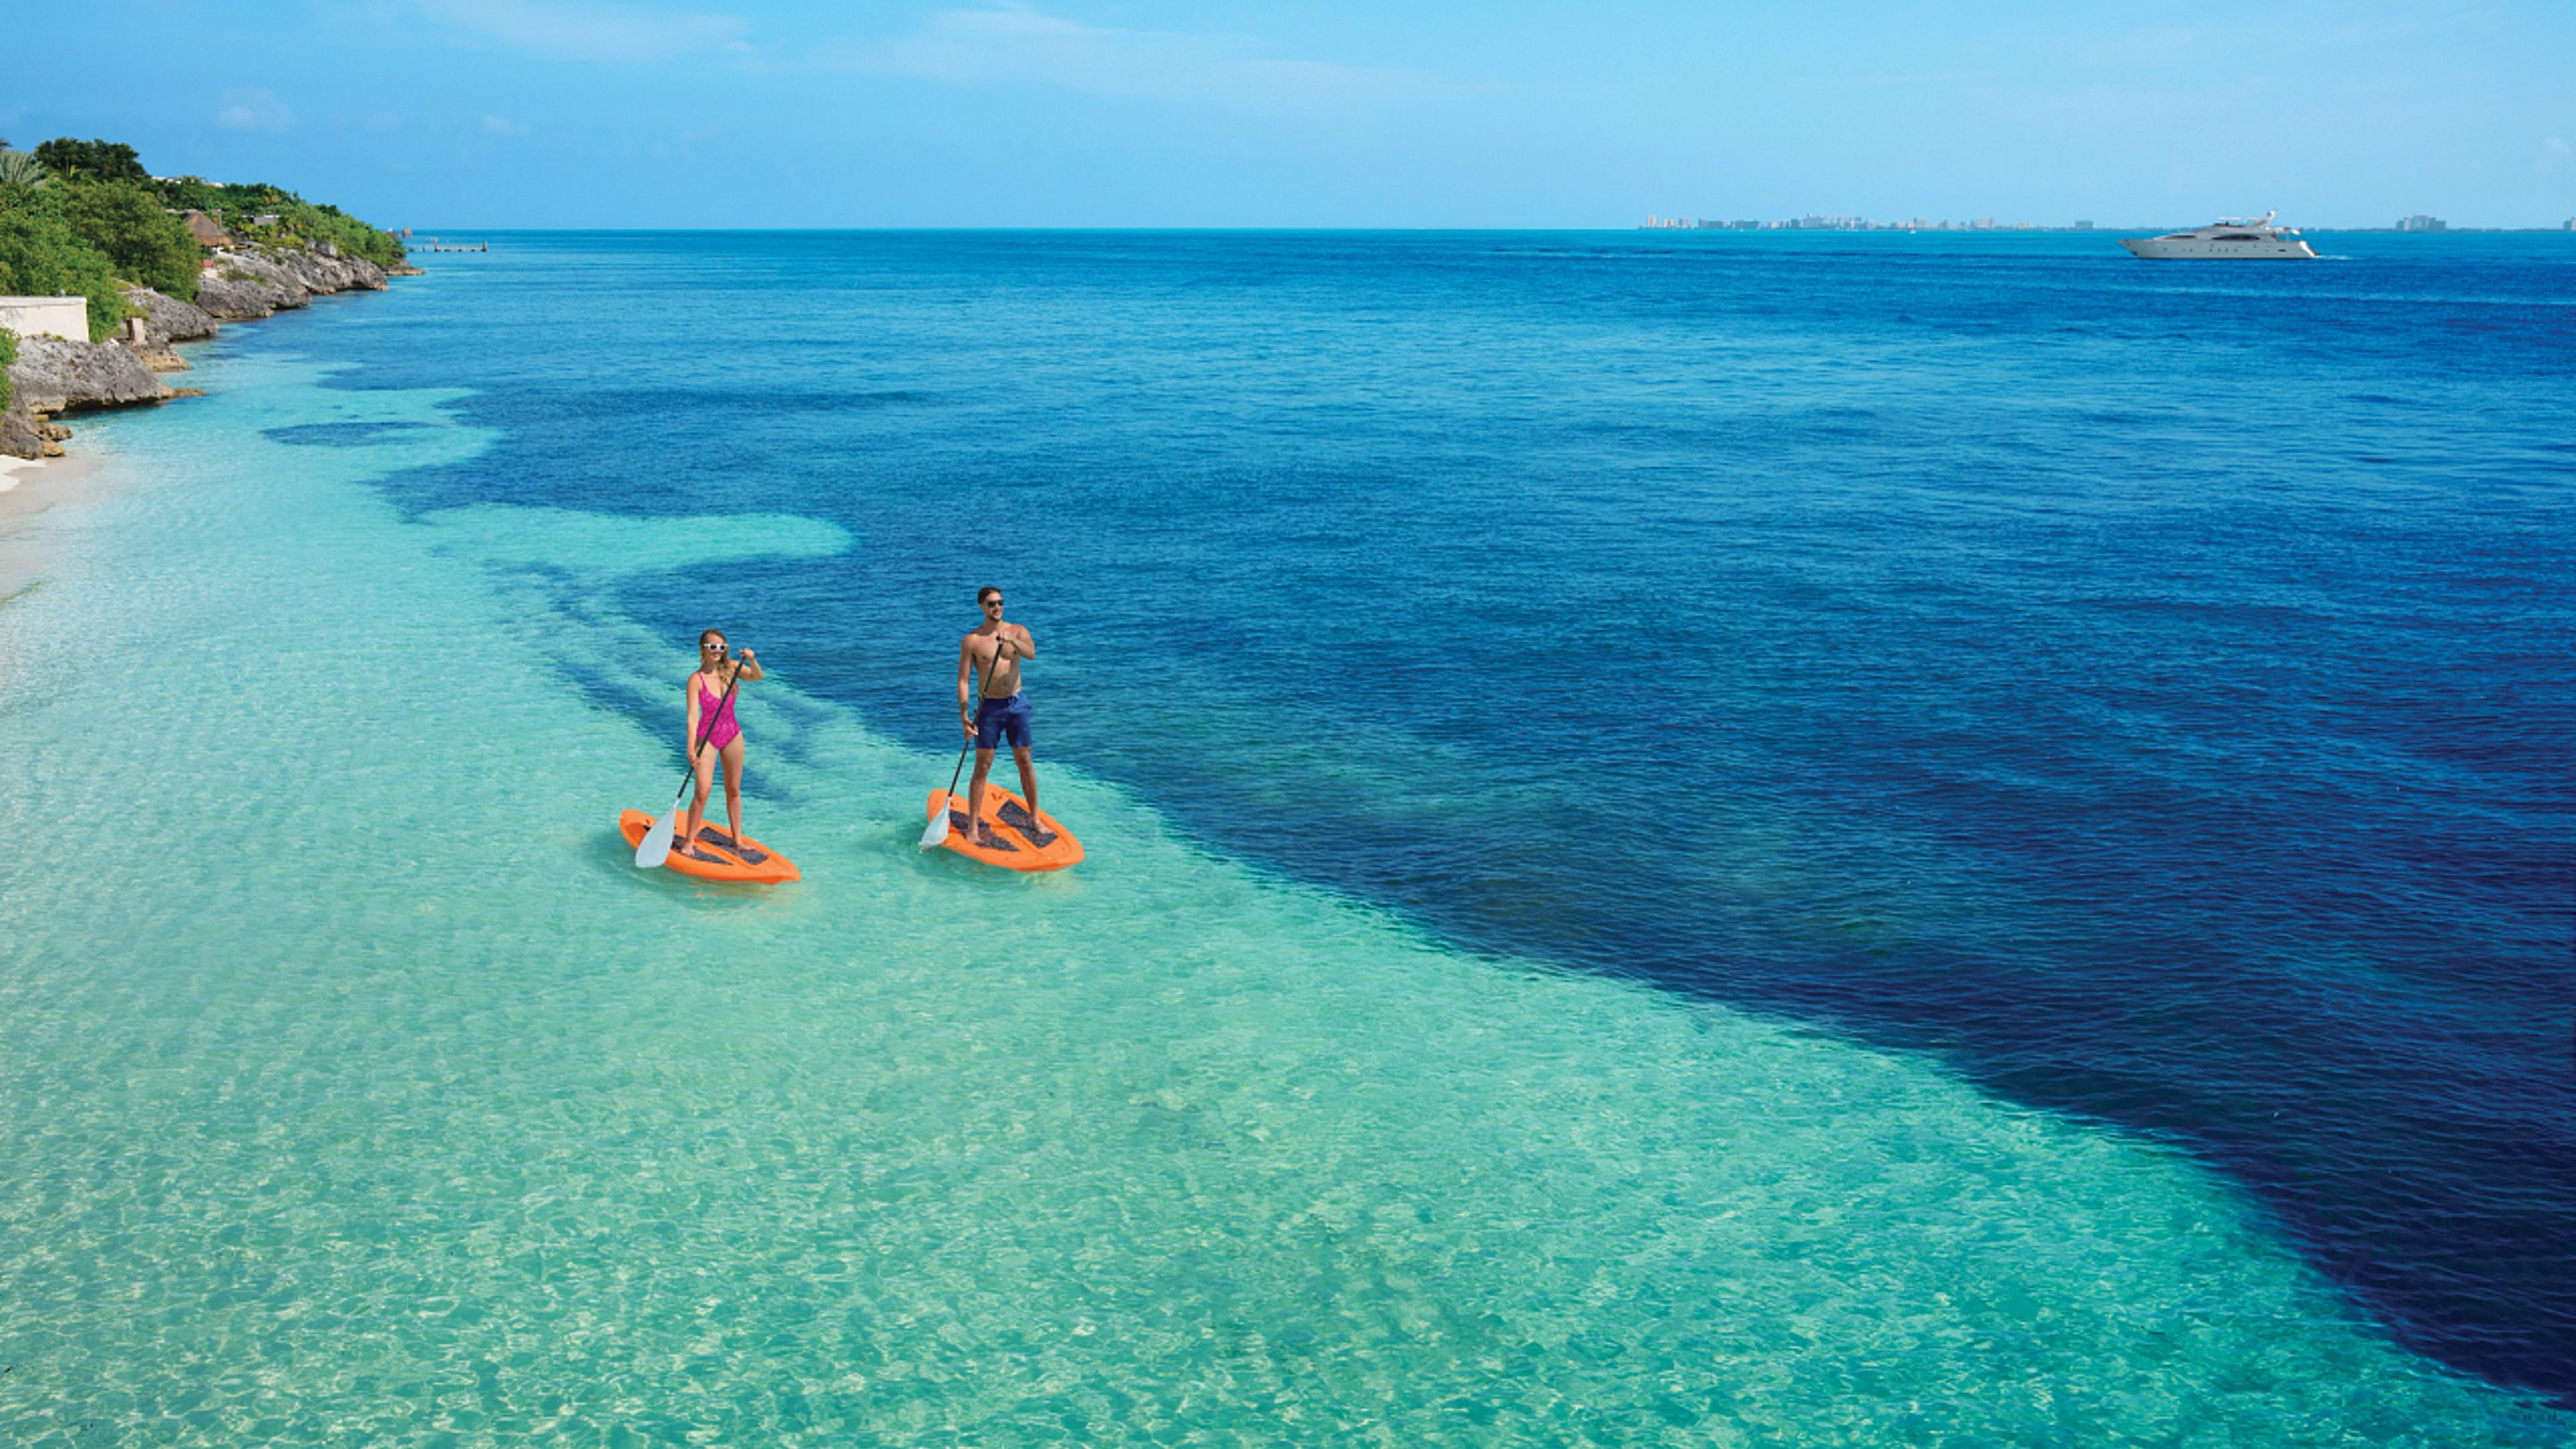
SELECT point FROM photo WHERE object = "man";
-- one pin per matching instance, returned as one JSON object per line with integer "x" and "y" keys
{"x": 996, "y": 649}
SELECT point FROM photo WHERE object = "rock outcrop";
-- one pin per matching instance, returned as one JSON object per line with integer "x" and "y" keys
{"x": 321, "y": 272}
{"x": 247, "y": 283}
{"x": 238, "y": 285}
{"x": 167, "y": 319}
{"x": 242, "y": 286}
{"x": 20, "y": 435}
{"x": 52, "y": 376}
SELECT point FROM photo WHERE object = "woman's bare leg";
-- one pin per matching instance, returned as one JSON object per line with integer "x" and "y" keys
{"x": 706, "y": 763}
{"x": 733, "y": 787}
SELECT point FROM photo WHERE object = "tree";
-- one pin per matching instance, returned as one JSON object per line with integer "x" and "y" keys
{"x": 93, "y": 160}
{"x": 148, "y": 244}
{"x": 41, "y": 257}
{"x": 17, "y": 168}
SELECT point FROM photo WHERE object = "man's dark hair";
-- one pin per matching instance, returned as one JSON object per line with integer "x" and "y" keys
{"x": 984, "y": 593}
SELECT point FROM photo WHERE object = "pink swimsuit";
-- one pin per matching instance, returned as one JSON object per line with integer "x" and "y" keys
{"x": 722, "y": 731}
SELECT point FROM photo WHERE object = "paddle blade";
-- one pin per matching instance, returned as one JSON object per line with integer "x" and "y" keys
{"x": 935, "y": 834}
{"x": 655, "y": 847}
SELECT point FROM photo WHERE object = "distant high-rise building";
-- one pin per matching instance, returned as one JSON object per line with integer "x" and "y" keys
{"x": 2083, "y": 226}
{"x": 2421, "y": 222}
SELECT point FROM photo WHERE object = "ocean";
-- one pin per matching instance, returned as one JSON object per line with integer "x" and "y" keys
{"x": 1694, "y": 839}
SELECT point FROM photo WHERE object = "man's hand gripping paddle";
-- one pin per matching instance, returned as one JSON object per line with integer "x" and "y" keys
{"x": 655, "y": 847}
{"x": 935, "y": 834}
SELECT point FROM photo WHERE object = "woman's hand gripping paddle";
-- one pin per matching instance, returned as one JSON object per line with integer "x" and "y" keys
{"x": 935, "y": 834}
{"x": 655, "y": 847}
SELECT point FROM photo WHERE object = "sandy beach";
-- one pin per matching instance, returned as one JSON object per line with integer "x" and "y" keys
{"x": 29, "y": 486}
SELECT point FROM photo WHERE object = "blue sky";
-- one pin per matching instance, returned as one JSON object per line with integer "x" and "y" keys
{"x": 458, "y": 113}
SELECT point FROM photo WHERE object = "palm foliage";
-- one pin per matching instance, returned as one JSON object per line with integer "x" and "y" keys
{"x": 17, "y": 168}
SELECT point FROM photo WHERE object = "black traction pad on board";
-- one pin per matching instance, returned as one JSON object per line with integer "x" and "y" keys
{"x": 747, "y": 854}
{"x": 1018, "y": 819}
{"x": 957, "y": 823}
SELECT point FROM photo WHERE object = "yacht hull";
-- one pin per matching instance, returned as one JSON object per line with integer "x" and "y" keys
{"x": 2163, "y": 249}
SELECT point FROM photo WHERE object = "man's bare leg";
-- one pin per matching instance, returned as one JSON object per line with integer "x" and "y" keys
{"x": 1028, "y": 787}
{"x": 975, "y": 828}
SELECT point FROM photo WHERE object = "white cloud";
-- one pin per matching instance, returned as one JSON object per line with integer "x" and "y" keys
{"x": 253, "y": 110}
{"x": 1016, "y": 45}
{"x": 591, "y": 30}
{"x": 503, "y": 126}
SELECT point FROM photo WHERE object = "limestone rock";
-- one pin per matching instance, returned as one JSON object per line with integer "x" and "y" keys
{"x": 243, "y": 284}
{"x": 231, "y": 294}
{"x": 324, "y": 272}
{"x": 52, "y": 375}
{"x": 167, "y": 319}
{"x": 18, "y": 435}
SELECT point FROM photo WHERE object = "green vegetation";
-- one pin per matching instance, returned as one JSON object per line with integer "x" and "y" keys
{"x": 42, "y": 256}
{"x": 146, "y": 243}
{"x": 297, "y": 222}
{"x": 92, "y": 161}
{"x": 77, "y": 216}
{"x": 8, "y": 354}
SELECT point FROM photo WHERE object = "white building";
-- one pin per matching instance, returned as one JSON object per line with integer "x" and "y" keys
{"x": 63, "y": 317}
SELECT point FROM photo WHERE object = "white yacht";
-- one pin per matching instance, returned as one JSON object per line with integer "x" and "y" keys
{"x": 2230, "y": 237}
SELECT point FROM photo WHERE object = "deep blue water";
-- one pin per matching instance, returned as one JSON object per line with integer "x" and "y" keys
{"x": 2147, "y": 688}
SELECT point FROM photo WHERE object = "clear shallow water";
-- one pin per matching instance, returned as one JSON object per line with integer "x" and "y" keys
{"x": 2144, "y": 686}
{"x": 394, "y": 1104}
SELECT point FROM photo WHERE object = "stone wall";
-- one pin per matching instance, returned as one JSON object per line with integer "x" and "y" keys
{"x": 63, "y": 317}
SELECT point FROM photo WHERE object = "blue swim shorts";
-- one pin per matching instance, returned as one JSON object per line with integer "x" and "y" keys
{"x": 999, "y": 718}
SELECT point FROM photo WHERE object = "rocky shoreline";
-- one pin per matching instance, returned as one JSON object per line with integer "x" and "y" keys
{"x": 240, "y": 284}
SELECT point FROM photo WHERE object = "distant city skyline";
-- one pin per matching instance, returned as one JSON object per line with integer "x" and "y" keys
{"x": 502, "y": 113}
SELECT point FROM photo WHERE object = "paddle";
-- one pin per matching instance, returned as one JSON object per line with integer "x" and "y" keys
{"x": 655, "y": 847}
{"x": 935, "y": 834}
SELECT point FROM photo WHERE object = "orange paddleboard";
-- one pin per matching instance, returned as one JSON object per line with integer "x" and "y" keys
{"x": 1019, "y": 842}
{"x": 715, "y": 855}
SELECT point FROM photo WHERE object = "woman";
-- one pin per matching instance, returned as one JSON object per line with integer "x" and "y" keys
{"x": 713, "y": 736}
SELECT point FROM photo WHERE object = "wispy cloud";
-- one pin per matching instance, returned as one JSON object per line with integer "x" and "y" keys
{"x": 587, "y": 30}
{"x": 503, "y": 126}
{"x": 1015, "y": 45}
{"x": 253, "y": 110}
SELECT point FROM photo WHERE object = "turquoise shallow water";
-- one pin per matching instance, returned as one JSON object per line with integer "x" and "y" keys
{"x": 354, "y": 1088}
{"x": 2139, "y": 688}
